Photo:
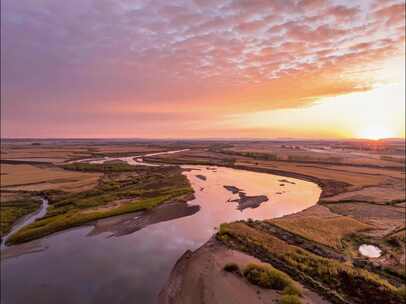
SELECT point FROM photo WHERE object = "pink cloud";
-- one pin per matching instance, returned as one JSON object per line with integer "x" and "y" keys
{"x": 343, "y": 13}
{"x": 217, "y": 56}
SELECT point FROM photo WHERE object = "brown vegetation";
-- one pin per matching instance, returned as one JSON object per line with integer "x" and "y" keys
{"x": 327, "y": 229}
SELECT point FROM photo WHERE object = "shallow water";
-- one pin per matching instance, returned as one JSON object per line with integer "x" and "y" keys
{"x": 26, "y": 220}
{"x": 85, "y": 265}
{"x": 370, "y": 251}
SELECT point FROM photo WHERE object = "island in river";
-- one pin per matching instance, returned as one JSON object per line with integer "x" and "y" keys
{"x": 134, "y": 222}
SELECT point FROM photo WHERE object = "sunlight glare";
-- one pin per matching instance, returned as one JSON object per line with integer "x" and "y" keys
{"x": 375, "y": 133}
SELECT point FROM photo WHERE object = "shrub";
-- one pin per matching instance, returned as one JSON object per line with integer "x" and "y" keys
{"x": 267, "y": 277}
{"x": 352, "y": 282}
{"x": 232, "y": 267}
{"x": 292, "y": 290}
{"x": 402, "y": 292}
{"x": 290, "y": 299}
{"x": 143, "y": 189}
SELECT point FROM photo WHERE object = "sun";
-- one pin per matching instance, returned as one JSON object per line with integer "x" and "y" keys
{"x": 375, "y": 133}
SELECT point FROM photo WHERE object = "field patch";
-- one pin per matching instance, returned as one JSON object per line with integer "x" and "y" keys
{"x": 327, "y": 231}
{"x": 40, "y": 178}
{"x": 123, "y": 189}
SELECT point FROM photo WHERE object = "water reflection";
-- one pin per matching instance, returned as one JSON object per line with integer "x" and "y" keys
{"x": 25, "y": 221}
{"x": 87, "y": 265}
{"x": 130, "y": 223}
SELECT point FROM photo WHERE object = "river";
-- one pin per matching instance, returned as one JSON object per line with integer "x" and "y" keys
{"x": 26, "y": 220}
{"x": 110, "y": 261}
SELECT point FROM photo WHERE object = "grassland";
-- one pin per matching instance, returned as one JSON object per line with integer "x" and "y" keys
{"x": 24, "y": 177}
{"x": 21, "y": 185}
{"x": 267, "y": 276}
{"x": 29, "y": 169}
{"x": 341, "y": 281}
{"x": 61, "y": 151}
{"x": 14, "y": 207}
{"x": 366, "y": 190}
{"x": 215, "y": 274}
{"x": 122, "y": 189}
{"x": 362, "y": 202}
{"x": 327, "y": 230}
{"x": 363, "y": 153}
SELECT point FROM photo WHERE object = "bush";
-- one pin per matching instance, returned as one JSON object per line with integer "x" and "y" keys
{"x": 290, "y": 299}
{"x": 267, "y": 277}
{"x": 402, "y": 293}
{"x": 354, "y": 283}
{"x": 232, "y": 267}
{"x": 143, "y": 189}
{"x": 292, "y": 290}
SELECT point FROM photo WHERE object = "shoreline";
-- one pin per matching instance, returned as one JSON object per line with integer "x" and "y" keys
{"x": 329, "y": 188}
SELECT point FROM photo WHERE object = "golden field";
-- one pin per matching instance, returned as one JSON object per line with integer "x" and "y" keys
{"x": 38, "y": 178}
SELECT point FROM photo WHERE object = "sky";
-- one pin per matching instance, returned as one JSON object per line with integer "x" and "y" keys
{"x": 203, "y": 68}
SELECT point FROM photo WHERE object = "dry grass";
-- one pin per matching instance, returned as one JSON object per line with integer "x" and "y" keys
{"x": 128, "y": 149}
{"x": 9, "y": 196}
{"x": 347, "y": 174}
{"x": 14, "y": 206}
{"x": 34, "y": 178}
{"x": 386, "y": 219}
{"x": 271, "y": 242}
{"x": 327, "y": 231}
{"x": 351, "y": 172}
{"x": 144, "y": 188}
{"x": 266, "y": 276}
{"x": 60, "y": 153}
{"x": 350, "y": 282}
{"x": 301, "y": 153}
{"x": 387, "y": 194}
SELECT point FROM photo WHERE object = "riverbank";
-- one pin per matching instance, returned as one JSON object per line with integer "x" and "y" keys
{"x": 353, "y": 209}
{"x": 199, "y": 277}
{"x": 122, "y": 189}
{"x": 128, "y": 260}
{"x": 25, "y": 221}
{"x": 361, "y": 204}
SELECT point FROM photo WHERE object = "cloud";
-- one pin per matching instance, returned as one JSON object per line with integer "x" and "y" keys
{"x": 212, "y": 57}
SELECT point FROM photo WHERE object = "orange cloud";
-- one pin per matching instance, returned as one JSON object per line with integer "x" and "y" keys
{"x": 197, "y": 57}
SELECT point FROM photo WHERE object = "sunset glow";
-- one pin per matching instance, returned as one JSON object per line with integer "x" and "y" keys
{"x": 203, "y": 69}
{"x": 376, "y": 132}
{"x": 145, "y": 142}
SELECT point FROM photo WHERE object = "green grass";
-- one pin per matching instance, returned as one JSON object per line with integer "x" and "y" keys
{"x": 13, "y": 210}
{"x": 254, "y": 155}
{"x": 292, "y": 290}
{"x": 51, "y": 224}
{"x": 267, "y": 276}
{"x": 349, "y": 281}
{"x": 402, "y": 293}
{"x": 106, "y": 167}
{"x": 290, "y": 299}
{"x": 138, "y": 189}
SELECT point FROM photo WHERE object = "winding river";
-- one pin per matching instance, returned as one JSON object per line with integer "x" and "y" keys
{"x": 26, "y": 220}
{"x": 128, "y": 258}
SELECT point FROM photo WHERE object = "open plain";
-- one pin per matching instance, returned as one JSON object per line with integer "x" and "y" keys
{"x": 362, "y": 202}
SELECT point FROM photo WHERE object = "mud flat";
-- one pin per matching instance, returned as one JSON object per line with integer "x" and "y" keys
{"x": 199, "y": 277}
{"x": 233, "y": 189}
{"x": 245, "y": 201}
{"x": 202, "y": 177}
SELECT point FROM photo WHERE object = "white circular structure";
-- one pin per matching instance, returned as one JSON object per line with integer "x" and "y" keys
{"x": 370, "y": 251}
